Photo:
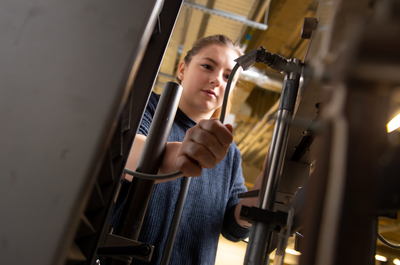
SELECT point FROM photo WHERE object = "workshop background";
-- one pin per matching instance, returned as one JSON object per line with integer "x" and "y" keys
{"x": 277, "y": 26}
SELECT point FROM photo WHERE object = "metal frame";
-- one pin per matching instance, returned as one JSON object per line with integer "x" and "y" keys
{"x": 63, "y": 65}
{"x": 261, "y": 232}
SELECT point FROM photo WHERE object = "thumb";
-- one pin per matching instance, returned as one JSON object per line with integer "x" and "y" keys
{"x": 229, "y": 127}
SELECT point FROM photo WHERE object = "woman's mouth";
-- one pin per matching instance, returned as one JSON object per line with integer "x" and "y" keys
{"x": 209, "y": 93}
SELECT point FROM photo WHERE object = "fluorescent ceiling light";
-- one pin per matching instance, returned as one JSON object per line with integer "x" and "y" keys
{"x": 393, "y": 124}
{"x": 380, "y": 258}
{"x": 292, "y": 251}
{"x": 261, "y": 79}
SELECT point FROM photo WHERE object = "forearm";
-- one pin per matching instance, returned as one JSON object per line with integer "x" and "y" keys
{"x": 167, "y": 164}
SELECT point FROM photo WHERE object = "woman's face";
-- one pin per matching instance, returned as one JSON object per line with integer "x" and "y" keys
{"x": 204, "y": 80}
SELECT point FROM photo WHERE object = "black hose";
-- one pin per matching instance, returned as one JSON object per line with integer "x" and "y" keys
{"x": 226, "y": 94}
{"x": 387, "y": 243}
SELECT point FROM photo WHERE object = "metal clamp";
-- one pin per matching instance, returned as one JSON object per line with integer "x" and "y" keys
{"x": 273, "y": 218}
{"x": 124, "y": 249}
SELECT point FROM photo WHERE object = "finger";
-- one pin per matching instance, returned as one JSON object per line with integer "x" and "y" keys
{"x": 209, "y": 141}
{"x": 199, "y": 153}
{"x": 229, "y": 127}
{"x": 216, "y": 128}
{"x": 188, "y": 166}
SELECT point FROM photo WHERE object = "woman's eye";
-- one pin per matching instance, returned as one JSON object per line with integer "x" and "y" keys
{"x": 226, "y": 76}
{"x": 206, "y": 66}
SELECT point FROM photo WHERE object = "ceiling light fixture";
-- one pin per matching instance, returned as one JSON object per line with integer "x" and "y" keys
{"x": 262, "y": 79}
{"x": 393, "y": 124}
{"x": 396, "y": 261}
{"x": 380, "y": 258}
{"x": 292, "y": 251}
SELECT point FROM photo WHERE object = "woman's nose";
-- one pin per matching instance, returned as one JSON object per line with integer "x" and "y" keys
{"x": 216, "y": 79}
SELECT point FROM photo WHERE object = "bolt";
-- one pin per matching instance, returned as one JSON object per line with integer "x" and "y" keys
{"x": 287, "y": 200}
{"x": 309, "y": 24}
{"x": 145, "y": 249}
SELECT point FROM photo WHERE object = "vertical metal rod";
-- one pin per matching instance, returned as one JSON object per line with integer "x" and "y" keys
{"x": 260, "y": 232}
{"x": 153, "y": 151}
{"x": 173, "y": 230}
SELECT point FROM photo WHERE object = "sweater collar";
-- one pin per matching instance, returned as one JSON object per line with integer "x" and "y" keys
{"x": 181, "y": 116}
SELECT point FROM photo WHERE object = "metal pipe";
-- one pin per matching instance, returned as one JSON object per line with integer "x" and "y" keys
{"x": 261, "y": 232}
{"x": 173, "y": 230}
{"x": 150, "y": 160}
{"x": 277, "y": 153}
{"x": 227, "y": 15}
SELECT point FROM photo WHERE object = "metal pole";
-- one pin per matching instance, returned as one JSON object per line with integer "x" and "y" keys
{"x": 153, "y": 151}
{"x": 260, "y": 232}
{"x": 173, "y": 230}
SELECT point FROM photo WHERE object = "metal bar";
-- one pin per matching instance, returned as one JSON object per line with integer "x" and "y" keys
{"x": 227, "y": 15}
{"x": 205, "y": 19}
{"x": 142, "y": 250}
{"x": 173, "y": 230}
{"x": 138, "y": 197}
{"x": 112, "y": 240}
{"x": 261, "y": 232}
{"x": 277, "y": 153}
{"x": 149, "y": 162}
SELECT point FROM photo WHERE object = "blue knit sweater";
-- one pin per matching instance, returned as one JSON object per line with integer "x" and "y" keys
{"x": 209, "y": 208}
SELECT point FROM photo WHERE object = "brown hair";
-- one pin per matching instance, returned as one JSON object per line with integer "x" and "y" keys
{"x": 210, "y": 40}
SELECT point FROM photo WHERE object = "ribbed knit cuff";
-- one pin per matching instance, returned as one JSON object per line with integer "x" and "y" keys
{"x": 235, "y": 232}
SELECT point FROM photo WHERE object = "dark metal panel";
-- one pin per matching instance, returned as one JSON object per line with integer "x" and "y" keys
{"x": 64, "y": 70}
{"x": 341, "y": 221}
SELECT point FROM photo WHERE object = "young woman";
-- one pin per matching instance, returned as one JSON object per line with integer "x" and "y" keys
{"x": 200, "y": 146}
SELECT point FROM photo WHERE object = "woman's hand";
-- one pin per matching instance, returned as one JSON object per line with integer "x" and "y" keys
{"x": 204, "y": 146}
